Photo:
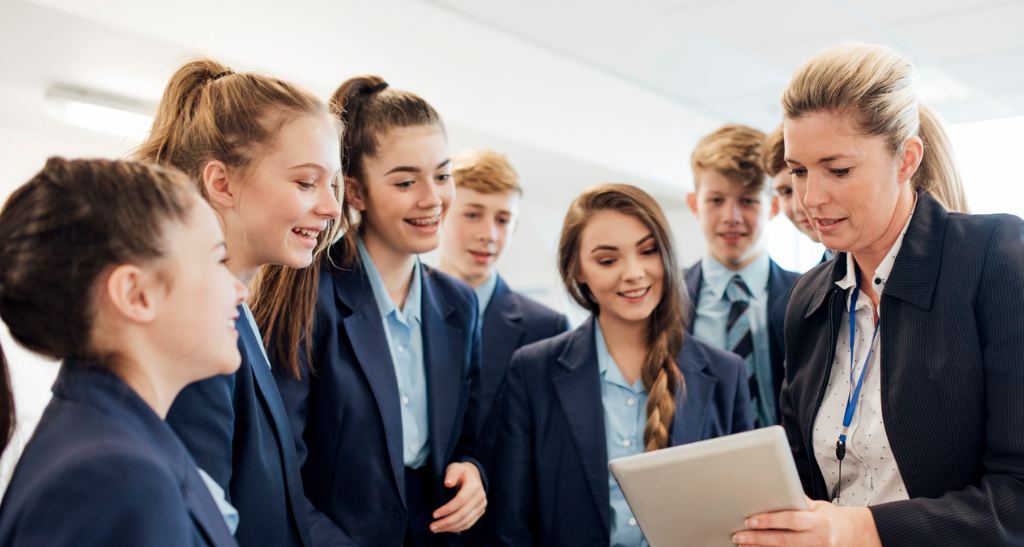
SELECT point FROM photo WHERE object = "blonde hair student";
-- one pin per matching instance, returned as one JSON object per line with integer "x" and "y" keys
{"x": 628, "y": 380}
{"x": 263, "y": 153}
{"x": 136, "y": 300}
{"x": 773, "y": 160}
{"x": 388, "y": 403}
{"x": 904, "y": 356}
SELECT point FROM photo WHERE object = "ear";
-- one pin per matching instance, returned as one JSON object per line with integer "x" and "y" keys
{"x": 913, "y": 153}
{"x": 131, "y": 291}
{"x": 355, "y": 193}
{"x": 775, "y": 206}
{"x": 691, "y": 200}
{"x": 217, "y": 185}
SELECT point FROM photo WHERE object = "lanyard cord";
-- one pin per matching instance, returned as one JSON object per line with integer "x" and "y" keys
{"x": 851, "y": 400}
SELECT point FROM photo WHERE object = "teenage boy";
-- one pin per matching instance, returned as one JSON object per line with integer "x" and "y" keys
{"x": 774, "y": 163}
{"x": 737, "y": 293}
{"x": 477, "y": 228}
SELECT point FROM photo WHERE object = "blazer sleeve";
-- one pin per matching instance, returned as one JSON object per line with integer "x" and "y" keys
{"x": 295, "y": 395}
{"x": 466, "y": 449}
{"x": 112, "y": 499}
{"x": 203, "y": 416}
{"x": 508, "y": 521}
{"x": 992, "y": 512}
{"x": 790, "y": 422}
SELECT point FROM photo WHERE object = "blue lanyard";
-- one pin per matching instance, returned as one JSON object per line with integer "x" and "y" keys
{"x": 851, "y": 400}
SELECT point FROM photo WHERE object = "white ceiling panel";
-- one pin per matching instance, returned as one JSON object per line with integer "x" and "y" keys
{"x": 977, "y": 32}
{"x": 906, "y": 11}
{"x": 745, "y": 23}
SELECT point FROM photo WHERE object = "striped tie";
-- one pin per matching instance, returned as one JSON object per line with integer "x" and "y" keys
{"x": 738, "y": 338}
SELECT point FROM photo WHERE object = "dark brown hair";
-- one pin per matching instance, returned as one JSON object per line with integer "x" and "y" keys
{"x": 734, "y": 151}
{"x": 61, "y": 231}
{"x": 666, "y": 325}
{"x": 210, "y": 113}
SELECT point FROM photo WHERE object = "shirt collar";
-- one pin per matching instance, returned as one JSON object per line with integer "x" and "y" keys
{"x": 884, "y": 268}
{"x": 755, "y": 275}
{"x": 607, "y": 367}
{"x": 486, "y": 291}
{"x": 380, "y": 293}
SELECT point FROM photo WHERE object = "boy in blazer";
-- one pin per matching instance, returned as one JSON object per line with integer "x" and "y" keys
{"x": 481, "y": 221}
{"x": 738, "y": 292}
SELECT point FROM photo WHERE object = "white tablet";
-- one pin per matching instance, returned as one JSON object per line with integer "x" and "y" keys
{"x": 700, "y": 493}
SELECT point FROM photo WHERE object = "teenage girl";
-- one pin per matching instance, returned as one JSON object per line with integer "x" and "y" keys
{"x": 264, "y": 155}
{"x": 384, "y": 414}
{"x": 628, "y": 380}
{"x": 137, "y": 302}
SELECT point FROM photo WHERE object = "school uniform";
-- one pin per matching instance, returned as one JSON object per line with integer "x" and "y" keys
{"x": 944, "y": 407}
{"x": 709, "y": 310}
{"x": 371, "y": 466}
{"x": 103, "y": 469}
{"x": 237, "y": 429}
{"x": 510, "y": 321}
{"x": 567, "y": 411}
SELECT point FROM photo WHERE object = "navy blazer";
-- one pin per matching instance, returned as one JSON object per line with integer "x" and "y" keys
{"x": 952, "y": 365}
{"x": 552, "y": 452}
{"x": 511, "y": 321}
{"x": 779, "y": 283}
{"x": 346, "y": 415}
{"x": 103, "y": 469}
{"x": 237, "y": 429}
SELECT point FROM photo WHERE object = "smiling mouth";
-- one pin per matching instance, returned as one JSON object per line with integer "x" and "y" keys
{"x": 637, "y": 293}
{"x": 829, "y": 222}
{"x": 306, "y": 232}
{"x": 426, "y": 221}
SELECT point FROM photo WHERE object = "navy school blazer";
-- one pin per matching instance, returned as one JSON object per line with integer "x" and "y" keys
{"x": 952, "y": 365}
{"x": 346, "y": 415}
{"x": 103, "y": 469}
{"x": 511, "y": 321}
{"x": 779, "y": 283}
{"x": 552, "y": 488}
{"x": 237, "y": 429}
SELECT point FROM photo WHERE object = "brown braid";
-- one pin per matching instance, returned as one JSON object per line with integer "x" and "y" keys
{"x": 665, "y": 327}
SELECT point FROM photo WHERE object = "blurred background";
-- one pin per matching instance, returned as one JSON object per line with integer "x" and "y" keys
{"x": 574, "y": 92}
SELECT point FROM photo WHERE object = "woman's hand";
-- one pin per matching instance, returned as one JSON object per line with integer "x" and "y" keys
{"x": 824, "y": 525}
{"x": 467, "y": 506}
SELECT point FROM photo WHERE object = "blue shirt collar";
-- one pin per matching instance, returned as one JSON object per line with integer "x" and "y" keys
{"x": 608, "y": 368}
{"x": 380, "y": 293}
{"x": 716, "y": 276}
{"x": 486, "y": 291}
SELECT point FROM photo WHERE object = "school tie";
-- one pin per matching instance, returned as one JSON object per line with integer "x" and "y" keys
{"x": 738, "y": 337}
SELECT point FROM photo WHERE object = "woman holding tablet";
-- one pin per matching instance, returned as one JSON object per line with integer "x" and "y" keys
{"x": 384, "y": 414}
{"x": 627, "y": 381}
{"x": 137, "y": 302}
{"x": 905, "y": 360}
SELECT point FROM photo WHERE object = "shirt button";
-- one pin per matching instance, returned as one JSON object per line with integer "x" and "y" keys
{"x": 632, "y": 522}
{"x": 626, "y": 442}
{"x": 401, "y": 349}
{"x": 412, "y": 449}
{"x": 630, "y": 401}
{"x": 405, "y": 400}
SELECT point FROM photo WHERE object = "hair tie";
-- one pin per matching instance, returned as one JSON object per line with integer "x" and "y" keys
{"x": 221, "y": 75}
{"x": 373, "y": 89}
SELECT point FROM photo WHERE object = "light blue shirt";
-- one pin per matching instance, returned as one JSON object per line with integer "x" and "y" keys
{"x": 713, "y": 316}
{"x": 485, "y": 292}
{"x": 625, "y": 416}
{"x": 227, "y": 510}
{"x": 403, "y": 329}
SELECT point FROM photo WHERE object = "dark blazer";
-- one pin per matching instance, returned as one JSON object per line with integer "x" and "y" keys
{"x": 779, "y": 283}
{"x": 103, "y": 469}
{"x": 346, "y": 415}
{"x": 511, "y": 321}
{"x": 237, "y": 429}
{"x": 952, "y": 357}
{"x": 552, "y": 452}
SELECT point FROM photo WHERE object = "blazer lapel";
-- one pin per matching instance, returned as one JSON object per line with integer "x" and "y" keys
{"x": 916, "y": 270}
{"x": 444, "y": 360}
{"x": 502, "y": 335}
{"x": 578, "y": 385}
{"x": 693, "y": 277}
{"x": 266, "y": 390}
{"x": 204, "y": 510}
{"x": 364, "y": 327}
{"x": 693, "y": 406}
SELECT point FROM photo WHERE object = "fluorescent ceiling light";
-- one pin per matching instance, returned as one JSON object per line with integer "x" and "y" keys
{"x": 98, "y": 111}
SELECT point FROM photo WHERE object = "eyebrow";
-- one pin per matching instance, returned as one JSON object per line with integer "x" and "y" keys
{"x": 412, "y": 169}
{"x": 822, "y": 160}
{"x": 612, "y": 248}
